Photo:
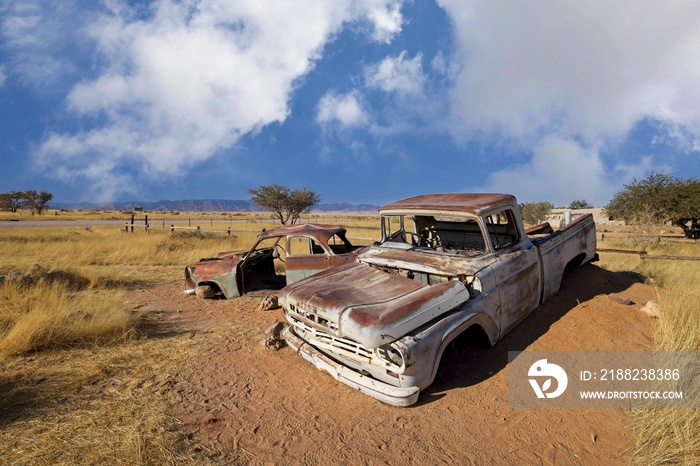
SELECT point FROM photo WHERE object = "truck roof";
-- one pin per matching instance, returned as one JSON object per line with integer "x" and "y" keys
{"x": 460, "y": 202}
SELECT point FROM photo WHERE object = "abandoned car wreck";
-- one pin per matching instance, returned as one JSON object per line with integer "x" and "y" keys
{"x": 280, "y": 256}
{"x": 446, "y": 263}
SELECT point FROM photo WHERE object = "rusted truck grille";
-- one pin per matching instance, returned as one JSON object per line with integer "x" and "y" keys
{"x": 312, "y": 317}
{"x": 330, "y": 342}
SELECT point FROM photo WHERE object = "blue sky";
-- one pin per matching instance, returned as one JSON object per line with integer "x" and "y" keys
{"x": 363, "y": 101}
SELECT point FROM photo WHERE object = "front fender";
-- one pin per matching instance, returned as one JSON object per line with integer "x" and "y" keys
{"x": 220, "y": 273}
{"x": 423, "y": 348}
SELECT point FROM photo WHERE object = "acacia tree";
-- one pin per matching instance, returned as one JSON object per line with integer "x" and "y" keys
{"x": 658, "y": 199}
{"x": 534, "y": 213}
{"x": 287, "y": 205}
{"x": 12, "y": 201}
{"x": 37, "y": 201}
{"x": 580, "y": 204}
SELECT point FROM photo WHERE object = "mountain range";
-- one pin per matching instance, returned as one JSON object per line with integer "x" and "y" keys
{"x": 201, "y": 205}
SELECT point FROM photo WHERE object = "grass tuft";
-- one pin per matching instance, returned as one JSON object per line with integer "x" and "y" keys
{"x": 53, "y": 313}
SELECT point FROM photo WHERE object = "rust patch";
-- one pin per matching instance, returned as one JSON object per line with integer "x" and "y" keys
{"x": 400, "y": 308}
{"x": 351, "y": 285}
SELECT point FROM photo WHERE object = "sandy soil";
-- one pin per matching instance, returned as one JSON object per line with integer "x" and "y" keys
{"x": 244, "y": 403}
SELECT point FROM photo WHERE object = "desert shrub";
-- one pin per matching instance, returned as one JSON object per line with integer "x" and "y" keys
{"x": 534, "y": 213}
{"x": 657, "y": 199}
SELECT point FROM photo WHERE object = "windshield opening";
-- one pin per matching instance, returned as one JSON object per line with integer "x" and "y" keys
{"x": 457, "y": 235}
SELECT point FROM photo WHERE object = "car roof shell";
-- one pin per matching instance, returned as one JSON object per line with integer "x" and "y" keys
{"x": 315, "y": 230}
{"x": 460, "y": 202}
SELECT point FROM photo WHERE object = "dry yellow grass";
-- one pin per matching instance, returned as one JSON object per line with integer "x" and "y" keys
{"x": 670, "y": 435}
{"x": 164, "y": 219}
{"x": 48, "y": 313}
{"x": 97, "y": 405}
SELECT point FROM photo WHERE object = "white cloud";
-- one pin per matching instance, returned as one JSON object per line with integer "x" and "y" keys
{"x": 590, "y": 69}
{"x": 543, "y": 75}
{"x": 385, "y": 16}
{"x": 563, "y": 170}
{"x": 639, "y": 170}
{"x": 3, "y": 76}
{"x": 35, "y": 33}
{"x": 684, "y": 138}
{"x": 397, "y": 74}
{"x": 439, "y": 64}
{"x": 346, "y": 109}
{"x": 560, "y": 171}
{"x": 185, "y": 80}
{"x": 400, "y": 77}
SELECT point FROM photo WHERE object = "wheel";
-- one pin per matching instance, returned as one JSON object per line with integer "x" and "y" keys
{"x": 205, "y": 292}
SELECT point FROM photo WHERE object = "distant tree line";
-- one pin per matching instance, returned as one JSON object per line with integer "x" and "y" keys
{"x": 32, "y": 200}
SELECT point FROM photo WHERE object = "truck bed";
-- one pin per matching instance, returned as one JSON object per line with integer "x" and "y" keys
{"x": 573, "y": 244}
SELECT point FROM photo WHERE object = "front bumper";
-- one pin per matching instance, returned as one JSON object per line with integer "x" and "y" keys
{"x": 396, "y": 396}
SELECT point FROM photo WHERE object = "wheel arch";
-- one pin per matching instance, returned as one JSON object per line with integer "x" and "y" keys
{"x": 477, "y": 322}
{"x": 213, "y": 285}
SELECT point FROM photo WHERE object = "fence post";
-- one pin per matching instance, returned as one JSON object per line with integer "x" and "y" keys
{"x": 132, "y": 223}
{"x": 228, "y": 232}
{"x": 172, "y": 228}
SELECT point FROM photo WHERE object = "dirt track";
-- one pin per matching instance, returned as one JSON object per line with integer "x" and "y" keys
{"x": 247, "y": 404}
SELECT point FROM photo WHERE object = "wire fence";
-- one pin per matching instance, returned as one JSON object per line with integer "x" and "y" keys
{"x": 234, "y": 225}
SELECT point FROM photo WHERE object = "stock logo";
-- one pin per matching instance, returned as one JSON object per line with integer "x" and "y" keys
{"x": 543, "y": 370}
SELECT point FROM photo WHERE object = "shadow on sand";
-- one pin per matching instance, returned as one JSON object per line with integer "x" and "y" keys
{"x": 469, "y": 359}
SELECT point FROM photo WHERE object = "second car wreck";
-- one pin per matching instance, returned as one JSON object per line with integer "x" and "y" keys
{"x": 280, "y": 256}
{"x": 445, "y": 263}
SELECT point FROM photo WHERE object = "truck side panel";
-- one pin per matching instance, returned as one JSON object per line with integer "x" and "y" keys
{"x": 575, "y": 241}
{"x": 517, "y": 271}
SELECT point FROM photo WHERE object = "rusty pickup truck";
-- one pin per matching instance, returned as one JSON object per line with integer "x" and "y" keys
{"x": 445, "y": 263}
{"x": 280, "y": 256}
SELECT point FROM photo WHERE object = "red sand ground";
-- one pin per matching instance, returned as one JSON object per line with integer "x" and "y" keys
{"x": 244, "y": 403}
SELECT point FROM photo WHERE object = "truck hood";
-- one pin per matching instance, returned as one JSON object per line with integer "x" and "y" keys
{"x": 368, "y": 305}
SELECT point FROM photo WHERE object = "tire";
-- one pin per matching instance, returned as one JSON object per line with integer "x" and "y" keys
{"x": 205, "y": 292}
